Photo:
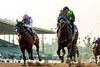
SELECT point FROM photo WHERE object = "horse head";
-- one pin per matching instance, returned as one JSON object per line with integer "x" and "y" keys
{"x": 62, "y": 33}
{"x": 97, "y": 42}
{"x": 63, "y": 28}
{"x": 19, "y": 27}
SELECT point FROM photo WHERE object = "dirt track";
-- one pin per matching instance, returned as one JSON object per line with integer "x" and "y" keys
{"x": 47, "y": 65}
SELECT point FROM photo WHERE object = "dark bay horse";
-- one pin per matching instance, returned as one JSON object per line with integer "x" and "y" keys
{"x": 26, "y": 41}
{"x": 65, "y": 40}
{"x": 96, "y": 49}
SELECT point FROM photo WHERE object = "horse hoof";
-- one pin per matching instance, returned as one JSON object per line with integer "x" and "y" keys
{"x": 32, "y": 58}
{"x": 62, "y": 59}
{"x": 40, "y": 60}
{"x": 67, "y": 61}
{"x": 74, "y": 60}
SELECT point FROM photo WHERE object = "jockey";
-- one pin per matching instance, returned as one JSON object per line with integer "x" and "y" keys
{"x": 97, "y": 42}
{"x": 70, "y": 17}
{"x": 27, "y": 20}
{"x": 98, "y": 39}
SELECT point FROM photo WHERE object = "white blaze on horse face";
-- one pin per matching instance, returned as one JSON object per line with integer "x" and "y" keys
{"x": 16, "y": 30}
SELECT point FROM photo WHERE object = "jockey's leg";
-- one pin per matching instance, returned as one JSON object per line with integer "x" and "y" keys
{"x": 31, "y": 32}
{"x": 72, "y": 24}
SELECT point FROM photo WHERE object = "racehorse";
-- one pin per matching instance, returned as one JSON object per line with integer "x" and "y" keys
{"x": 26, "y": 41}
{"x": 65, "y": 40}
{"x": 96, "y": 49}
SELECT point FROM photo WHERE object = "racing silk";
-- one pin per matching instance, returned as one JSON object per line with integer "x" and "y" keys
{"x": 98, "y": 39}
{"x": 29, "y": 23}
{"x": 70, "y": 16}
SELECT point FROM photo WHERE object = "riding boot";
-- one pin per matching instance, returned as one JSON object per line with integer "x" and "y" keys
{"x": 72, "y": 28}
{"x": 31, "y": 32}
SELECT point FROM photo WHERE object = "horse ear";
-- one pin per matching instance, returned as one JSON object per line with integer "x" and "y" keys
{"x": 17, "y": 20}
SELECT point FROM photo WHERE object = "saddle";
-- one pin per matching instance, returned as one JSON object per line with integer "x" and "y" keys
{"x": 32, "y": 34}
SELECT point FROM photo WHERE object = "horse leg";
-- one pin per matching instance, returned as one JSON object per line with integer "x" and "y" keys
{"x": 75, "y": 58}
{"x": 69, "y": 51}
{"x": 69, "y": 56}
{"x": 63, "y": 53}
{"x": 69, "y": 47}
{"x": 73, "y": 51}
{"x": 96, "y": 59}
{"x": 30, "y": 52}
{"x": 58, "y": 52}
{"x": 37, "y": 49}
{"x": 77, "y": 53}
{"x": 23, "y": 54}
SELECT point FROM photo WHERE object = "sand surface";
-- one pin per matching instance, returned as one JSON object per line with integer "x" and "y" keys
{"x": 48, "y": 65}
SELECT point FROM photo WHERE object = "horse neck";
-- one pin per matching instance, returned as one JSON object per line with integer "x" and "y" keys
{"x": 62, "y": 33}
{"x": 64, "y": 29}
{"x": 24, "y": 35}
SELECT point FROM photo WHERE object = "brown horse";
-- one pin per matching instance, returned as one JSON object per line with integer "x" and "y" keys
{"x": 65, "y": 40}
{"x": 26, "y": 41}
{"x": 96, "y": 49}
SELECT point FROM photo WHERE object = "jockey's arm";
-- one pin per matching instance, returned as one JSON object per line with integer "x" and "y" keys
{"x": 26, "y": 25}
{"x": 29, "y": 25}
